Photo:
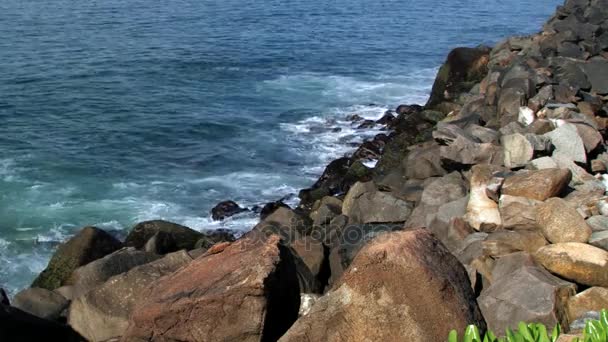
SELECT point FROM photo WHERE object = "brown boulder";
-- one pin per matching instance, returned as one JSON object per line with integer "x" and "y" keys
{"x": 518, "y": 213}
{"x": 89, "y": 244}
{"x": 539, "y": 185}
{"x": 364, "y": 203}
{"x": 41, "y": 303}
{"x": 560, "y": 222}
{"x": 593, "y": 299}
{"x": 400, "y": 284}
{"x": 578, "y": 262}
{"x": 248, "y": 292}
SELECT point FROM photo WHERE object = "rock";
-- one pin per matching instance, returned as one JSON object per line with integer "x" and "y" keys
{"x": 596, "y": 69}
{"x": 349, "y": 242}
{"x": 41, "y": 303}
{"x": 4, "y": 298}
{"x": 539, "y": 185}
{"x": 103, "y": 313}
{"x": 542, "y": 163}
{"x": 248, "y": 292}
{"x": 175, "y": 237}
{"x": 526, "y": 116}
{"x": 463, "y": 152}
{"x": 560, "y": 222}
{"x": 483, "y": 134}
{"x": 593, "y": 299}
{"x": 226, "y": 209}
{"x": 88, "y": 245}
{"x": 509, "y": 103}
{"x": 517, "y": 150}
{"x": 541, "y": 98}
{"x": 444, "y": 190}
{"x": 329, "y": 207}
{"x": 518, "y": 213}
{"x": 505, "y": 242}
{"x": 17, "y": 325}
{"x": 463, "y": 68}
{"x": 598, "y": 223}
{"x": 525, "y": 293}
{"x": 423, "y": 161}
{"x": 99, "y": 271}
{"x": 331, "y": 182}
{"x": 599, "y": 239}
{"x": 568, "y": 143}
{"x": 286, "y": 223}
{"x": 270, "y": 208}
{"x": 578, "y": 262}
{"x": 313, "y": 254}
{"x": 590, "y": 136}
{"x": 386, "y": 119}
{"x": 365, "y": 204}
{"x": 482, "y": 212}
{"x": 307, "y": 300}
{"x": 401, "y": 284}
{"x": 445, "y": 223}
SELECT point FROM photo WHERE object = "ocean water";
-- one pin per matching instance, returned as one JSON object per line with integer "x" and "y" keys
{"x": 118, "y": 111}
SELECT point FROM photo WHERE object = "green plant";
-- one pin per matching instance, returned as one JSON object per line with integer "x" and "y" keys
{"x": 533, "y": 332}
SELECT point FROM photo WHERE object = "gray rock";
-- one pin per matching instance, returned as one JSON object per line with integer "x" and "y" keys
{"x": 464, "y": 152}
{"x": 99, "y": 271}
{"x": 518, "y": 213}
{"x": 597, "y": 71}
{"x": 542, "y": 163}
{"x": 424, "y": 161}
{"x": 517, "y": 150}
{"x": 599, "y": 239}
{"x": 598, "y": 223}
{"x": 568, "y": 143}
{"x": 176, "y": 236}
{"x": 373, "y": 206}
{"x": 328, "y": 208}
{"x": 41, "y": 303}
{"x": 444, "y": 190}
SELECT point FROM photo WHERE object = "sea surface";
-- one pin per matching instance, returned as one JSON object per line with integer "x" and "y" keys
{"x": 118, "y": 111}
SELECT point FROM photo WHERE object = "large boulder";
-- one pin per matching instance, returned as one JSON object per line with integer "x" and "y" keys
{"x": 517, "y": 150}
{"x": 325, "y": 210}
{"x": 400, "y": 284}
{"x": 97, "y": 272}
{"x": 522, "y": 291}
{"x": 18, "y": 325}
{"x": 539, "y": 185}
{"x": 423, "y": 161}
{"x": 561, "y": 223}
{"x": 247, "y": 292}
{"x": 88, "y": 245}
{"x": 463, "y": 68}
{"x": 568, "y": 143}
{"x": 173, "y": 236}
{"x": 364, "y": 203}
{"x": 103, "y": 313}
{"x": 41, "y": 303}
{"x": 287, "y": 223}
{"x": 575, "y": 261}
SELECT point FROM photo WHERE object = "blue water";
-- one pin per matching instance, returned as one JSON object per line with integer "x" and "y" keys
{"x": 117, "y": 111}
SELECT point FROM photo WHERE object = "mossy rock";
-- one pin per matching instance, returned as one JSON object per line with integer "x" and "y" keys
{"x": 88, "y": 245}
{"x": 181, "y": 237}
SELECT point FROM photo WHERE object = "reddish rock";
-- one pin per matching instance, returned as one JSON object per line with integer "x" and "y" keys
{"x": 248, "y": 292}
{"x": 400, "y": 285}
{"x": 538, "y": 185}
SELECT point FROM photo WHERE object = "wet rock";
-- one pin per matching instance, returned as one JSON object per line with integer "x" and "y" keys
{"x": 482, "y": 212}
{"x": 226, "y": 209}
{"x": 4, "y": 298}
{"x": 330, "y": 183}
{"x": 370, "y": 302}
{"x": 365, "y": 204}
{"x": 518, "y": 213}
{"x": 560, "y": 222}
{"x": 539, "y": 185}
{"x": 247, "y": 292}
{"x": 525, "y": 293}
{"x": 41, "y": 303}
{"x": 578, "y": 262}
{"x": 99, "y": 271}
{"x": 88, "y": 245}
{"x": 103, "y": 313}
{"x": 174, "y": 236}
{"x": 463, "y": 68}
{"x": 593, "y": 299}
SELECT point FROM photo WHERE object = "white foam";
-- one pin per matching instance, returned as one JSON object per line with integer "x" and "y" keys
{"x": 371, "y": 163}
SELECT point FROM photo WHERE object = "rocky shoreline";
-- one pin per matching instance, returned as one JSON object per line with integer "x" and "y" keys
{"x": 486, "y": 206}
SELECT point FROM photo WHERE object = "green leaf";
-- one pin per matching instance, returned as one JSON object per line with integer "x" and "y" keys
{"x": 453, "y": 336}
{"x": 556, "y": 332}
{"x": 542, "y": 335}
{"x": 524, "y": 331}
{"x": 472, "y": 334}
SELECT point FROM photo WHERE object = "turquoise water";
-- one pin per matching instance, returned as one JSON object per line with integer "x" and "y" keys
{"x": 113, "y": 112}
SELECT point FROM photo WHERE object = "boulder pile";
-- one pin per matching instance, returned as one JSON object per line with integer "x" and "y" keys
{"x": 487, "y": 206}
